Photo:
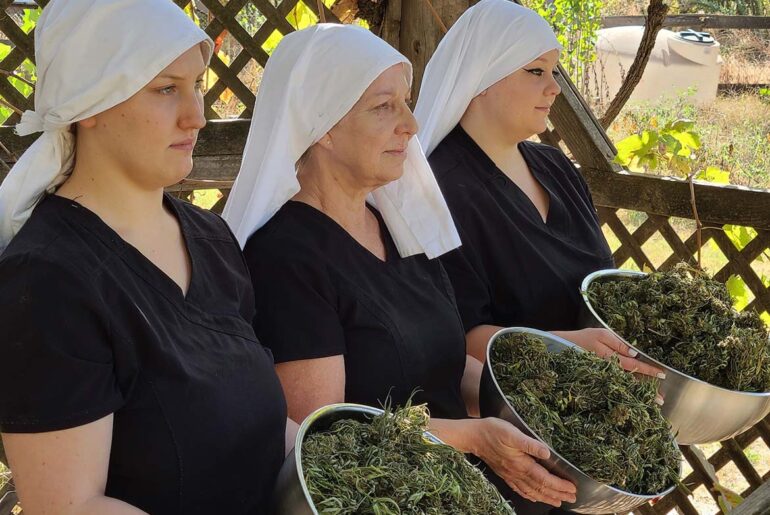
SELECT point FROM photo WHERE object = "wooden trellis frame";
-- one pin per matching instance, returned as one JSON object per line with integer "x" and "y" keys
{"x": 221, "y": 143}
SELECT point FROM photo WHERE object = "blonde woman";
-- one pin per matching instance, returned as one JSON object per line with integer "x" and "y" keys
{"x": 131, "y": 380}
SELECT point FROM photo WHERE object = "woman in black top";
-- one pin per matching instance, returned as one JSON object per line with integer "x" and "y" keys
{"x": 347, "y": 313}
{"x": 529, "y": 229}
{"x": 131, "y": 380}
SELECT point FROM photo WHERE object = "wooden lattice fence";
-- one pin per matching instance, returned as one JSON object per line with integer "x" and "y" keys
{"x": 638, "y": 212}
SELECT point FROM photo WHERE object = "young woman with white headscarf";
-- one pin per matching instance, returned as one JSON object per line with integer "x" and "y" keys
{"x": 131, "y": 380}
{"x": 348, "y": 296}
{"x": 529, "y": 229}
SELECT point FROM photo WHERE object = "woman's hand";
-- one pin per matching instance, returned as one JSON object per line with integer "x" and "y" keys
{"x": 605, "y": 344}
{"x": 512, "y": 456}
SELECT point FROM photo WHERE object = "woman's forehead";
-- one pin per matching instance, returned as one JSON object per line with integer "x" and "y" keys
{"x": 393, "y": 81}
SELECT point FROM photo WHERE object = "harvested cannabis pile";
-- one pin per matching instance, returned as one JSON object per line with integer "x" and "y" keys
{"x": 388, "y": 467}
{"x": 593, "y": 413}
{"x": 686, "y": 320}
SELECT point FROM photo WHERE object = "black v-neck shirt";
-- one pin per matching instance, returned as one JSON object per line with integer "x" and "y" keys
{"x": 92, "y": 327}
{"x": 320, "y": 293}
{"x": 514, "y": 269}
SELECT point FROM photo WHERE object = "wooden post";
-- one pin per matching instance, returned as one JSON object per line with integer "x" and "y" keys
{"x": 420, "y": 31}
{"x": 391, "y": 23}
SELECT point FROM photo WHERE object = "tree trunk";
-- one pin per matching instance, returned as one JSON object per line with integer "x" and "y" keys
{"x": 656, "y": 15}
{"x": 420, "y": 31}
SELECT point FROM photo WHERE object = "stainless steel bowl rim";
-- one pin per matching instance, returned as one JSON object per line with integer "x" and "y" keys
{"x": 617, "y": 272}
{"x": 568, "y": 343}
{"x": 321, "y": 412}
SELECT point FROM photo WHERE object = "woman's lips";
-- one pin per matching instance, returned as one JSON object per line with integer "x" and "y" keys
{"x": 186, "y": 145}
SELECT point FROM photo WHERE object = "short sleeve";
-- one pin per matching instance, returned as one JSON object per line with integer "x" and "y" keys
{"x": 56, "y": 360}
{"x": 471, "y": 291}
{"x": 296, "y": 303}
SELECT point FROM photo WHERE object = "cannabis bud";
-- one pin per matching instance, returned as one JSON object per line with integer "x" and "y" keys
{"x": 386, "y": 466}
{"x": 686, "y": 320}
{"x": 594, "y": 414}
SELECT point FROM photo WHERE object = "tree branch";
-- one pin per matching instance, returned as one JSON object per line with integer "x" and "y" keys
{"x": 656, "y": 15}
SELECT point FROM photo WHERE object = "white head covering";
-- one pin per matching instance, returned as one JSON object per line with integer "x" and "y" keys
{"x": 91, "y": 55}
{"x": 490, "y": 41}
{"x": 311, "y": 81}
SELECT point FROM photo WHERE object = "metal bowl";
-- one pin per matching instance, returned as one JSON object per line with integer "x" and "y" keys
{"x": 699, "y": 412}
{"x": 592, "y": 496}
{"x": 291, "y": 496}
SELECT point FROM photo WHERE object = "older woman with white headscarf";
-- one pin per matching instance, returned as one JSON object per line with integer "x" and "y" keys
{"x": 131, "y": 380}
{"x": 348, "y": 217}
{"x": 529, "y": 229}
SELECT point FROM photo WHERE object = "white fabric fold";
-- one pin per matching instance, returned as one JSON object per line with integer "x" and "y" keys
{"x": 491, "y": 40}
{"x": 311, "y": 81}
{"x": 91, "y": 55}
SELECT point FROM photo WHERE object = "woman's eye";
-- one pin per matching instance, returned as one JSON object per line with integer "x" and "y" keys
{"x": 383, "y": 106}
{"x": 199, "y": 84}
{"x": 535, "y": 71}
{"x": 167, "y": 90}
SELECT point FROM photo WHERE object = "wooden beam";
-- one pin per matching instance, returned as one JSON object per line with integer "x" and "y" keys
{"x": 758, "y": 503}
{"x": 580, "y": 130}
{"x": 717, "y": 204}
{"x": 699, "y": 21}
{"x": 220, "y": 147}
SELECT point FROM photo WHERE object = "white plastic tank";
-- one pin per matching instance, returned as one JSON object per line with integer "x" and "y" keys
{"x": 679, "y": 61}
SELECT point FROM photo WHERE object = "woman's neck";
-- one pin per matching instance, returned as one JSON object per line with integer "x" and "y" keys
{"x": 120, "y": 203}
{"x": 334, "y": 194}
{"x": 500, "y": 147}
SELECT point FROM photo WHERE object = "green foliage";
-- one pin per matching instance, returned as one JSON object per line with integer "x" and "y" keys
{"x": 576, "y": 23}
{"x": 386, "y": 467}
{"x": 599, "y": 417}
{"x": 686, "y": 320}
{"x": 674, "y": 144}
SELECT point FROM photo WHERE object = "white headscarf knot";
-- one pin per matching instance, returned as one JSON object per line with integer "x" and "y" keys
{"x": 91, "y": 55}
{"x": 31, "y": 122}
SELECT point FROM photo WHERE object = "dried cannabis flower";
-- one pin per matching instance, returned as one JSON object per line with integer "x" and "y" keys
{"x": 686, "y": 320}
{"x": 387, "y": 467}
{"x": 593, "y": 413}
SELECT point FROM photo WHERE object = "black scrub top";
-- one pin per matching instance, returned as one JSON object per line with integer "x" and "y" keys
{"x": 320, "y": 293}
{"x": 513, "y": 269}
{"x": 92, "y": 327}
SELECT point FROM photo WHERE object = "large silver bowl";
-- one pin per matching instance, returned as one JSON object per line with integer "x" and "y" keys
{"x": 291, "y": 496}
{"x": 592, "y": 496}
{"x": 699, "y": 412}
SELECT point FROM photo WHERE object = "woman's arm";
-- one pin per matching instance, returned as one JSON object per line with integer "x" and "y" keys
{"x": 509, "y": 453}
{"x": 64, "y": 472}
{"x": 311, "y": 383}
{"x": 471, "y": 382}
{"x": 476, "y": 341}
